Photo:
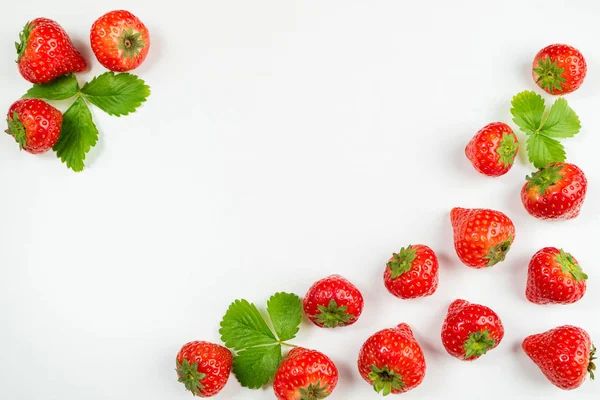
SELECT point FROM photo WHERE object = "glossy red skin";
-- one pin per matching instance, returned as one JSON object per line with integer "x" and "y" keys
{"x": 42, "y": 124}
{"x": 476, "y": 231}
{"x": 422, "y": 278}
{"x": 547, "y": 283}
{"x": 49, "y": 53}
{"x": 566, "y": 57}
{"x": 562, "y": 354}
{"x": 560, "y": 201}
{"x": 104, "y": 38}
{"x": 301, "y": 368}
{"x": 464, "y": 318}
{"x": 397, "y": 349}
{"x": 213, "y": 360}
{"x": 482, "y": 149}
{"x": 334, "y": 287}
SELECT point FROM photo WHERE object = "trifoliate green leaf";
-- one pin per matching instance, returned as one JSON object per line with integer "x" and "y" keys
{"x": 63, "y": 87}
{"x": 255, "y": 367}
{"x": 243, "y": 327}
{"x": 285, "y": 310}
{"x": 542, "y": 150}
{"x": 116, "y": 94}
{"x": 562, "y": 122}
{"x": 528, "y": 110}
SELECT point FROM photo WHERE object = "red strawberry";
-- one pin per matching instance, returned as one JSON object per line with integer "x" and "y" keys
{"x": 411, "y": 273}
{"x": 34, "y": 124}
{"x": 564, "y": 354}
{"x": 493, "y": 149}
{"x": 556, "y": 191}
{"x": 120, "y": 40}
{"x": 392, "y": 361}
{"x": 482, "y": 237}
{"x": 470, "y": 330}
{"x": 203, "y": 367}
{"x": 305, "y": 374}
{"x": 45, "y": 52}
{"x": 554, "y": 277}
{"x": 559, "y": 69}
{"x": 333, "y": 302}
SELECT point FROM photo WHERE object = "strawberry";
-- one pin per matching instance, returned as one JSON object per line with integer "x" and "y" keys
{"x": 305, "y": 374}
{"x": 493, "y": 149}
{"x": 203, "y": 367}
{"x": 45, "y": 52}
{"x": 482, "y": 237}
{"x": 556, "y": 191}
{"x": 412, "y": 272}
{"x": 392, "y": 361}
{"x": 332, "y": 302}
{"x": 34, "y": 124}
{"x": 554, "y": 276}
{"x": 564, "y": 354}
{"x": 120, "y": 41}
{"x": 559, "y": 69}
{"x": 470, "y": 330}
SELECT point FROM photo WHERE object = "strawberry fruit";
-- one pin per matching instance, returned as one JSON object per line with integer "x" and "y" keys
{"x": 482, "y": 237}
{"x": 203, "y": 367}
{"x": 34, "y": 124}
{"x": 332, "y": 302}
{"x": 412, "y": 272}
{"x": 493, "y": 149}
{"x": 559, "y": 69}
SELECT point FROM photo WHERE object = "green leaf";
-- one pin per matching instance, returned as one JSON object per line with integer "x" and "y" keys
{"x": 255, "y": 367}
{"x": 285, "y": 310}
{"x": 78, "y": 135}
{"x": 562, "y": 122}
{"x": 242, "y": 326}
{"x": 528, "y": 111}
{"x": 542, "y": 150}
{"x": 63, "y": 87}
{"x": 116, "y": 94}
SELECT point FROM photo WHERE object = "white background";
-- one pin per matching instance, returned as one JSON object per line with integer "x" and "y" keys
{"x": 283, "y": 141}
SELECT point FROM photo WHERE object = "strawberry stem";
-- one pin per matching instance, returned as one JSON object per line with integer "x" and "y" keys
{"x": 23, "y": 39}
{"x": 190, "y": 376}
{"x": 314, "y": 392}
{"x": 130, "y": 43}
{"x": 498, "y": 253}
{"x": 401, "y": 261}
{"x": 17, "y": 130}
{"x": 591, "y": 366}
{"x": 333, "y": 315}
{"x": 568, "y": 265}
{"x": 549, "y": 75}
{"x": 545, "y": 177}
{"x": 384, "y": 380}
{"x": 478, "y": 344}
{"x": 507, "y": 149}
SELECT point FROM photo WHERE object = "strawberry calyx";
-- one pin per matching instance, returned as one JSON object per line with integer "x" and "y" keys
{"x": 17, "y": 130}
{"x": 401, "y": 261}
{"x": 314, "y": 392}
{"x": 507, "y": 149}
{"x": 190, "y": 376}
{"x": 498, "y": 253}
{"x": 130, "y": 43}
{"x": 549, "y": 75}
{"x": 545, "y": 177}
{"x": 591, "y": 366}
{"x": 333, "y": 315}
{"x": 478, "y": 344}
{"x": 568, "y": 265}
{"x": 23, "y": 39}
{"x": 384, "y": 380}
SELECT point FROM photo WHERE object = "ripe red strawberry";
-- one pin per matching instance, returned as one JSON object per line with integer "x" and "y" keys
{"x": 412, "y": 272}
{"x": 120, "y": 41}
{"x": 554, "y": 276}
{"x": 392, "y": 361}
{"x": 332, "y": 302}
{"x": 34, "y": 124}
{"x": 203, "y": 367}
{"x": 556, "y": 191}
{"x": 45, "y": 52}
{"x": 493, "y": 149}
{"x": 305, "y": 374}
{"x": 482, "y": 237}
{"x": 470, "y": 330}
{"x": 564, "y": 354}
{"x": 559, "y": 69}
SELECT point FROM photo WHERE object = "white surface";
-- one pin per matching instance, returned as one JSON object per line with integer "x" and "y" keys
{"x": 283, "y": 141}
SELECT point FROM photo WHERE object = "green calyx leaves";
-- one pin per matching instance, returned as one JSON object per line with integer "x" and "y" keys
{"x": 478, "y": 344}
{"x": 21, "y": 45}
{"x": 568, "y": 265}
{"x": 384, "y": 380}
{"x": 130, "y": 43}
{"x": 401, "y": 262}
{"x": 314, "y": 392}
{"x": 498, "y": 253}
{"x": 17, "y": 130}
{"x": 549, "y": 75}
{"x": 591, "y": 366}
{"x": 507, "y": 149}
{"x": 333, "y": 316}
{"x": 544, "y": 178}
{"x": 190, "y": 376}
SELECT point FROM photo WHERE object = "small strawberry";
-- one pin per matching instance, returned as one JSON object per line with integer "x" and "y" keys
{"x": 559, "y": 69}
{"x": 45, "y": 52}
{"x": 470, "y": 330}
{"x": 392, "y": 361}
{"x": 493, "y": 149}
{"x": 564, "y": 354}
{"x": 555, "y": 192}
{"x": 554, "y": 276}
{"x": 203, "y": 367}
{"x": 412, "y": 272}
{"x": 34, "y": 124}
{"x": 332, "y": 302}
{"x": 482, "y": 237}
{"x": 120, "y": 41}
{"x": 306, "y": 375}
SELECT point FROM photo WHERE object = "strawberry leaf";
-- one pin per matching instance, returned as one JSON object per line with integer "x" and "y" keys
{"x": 116, "y": 94}
{"x": 285, "y": 310}
{"x": 542, "y": 150}
{"x": 528, "y": 110}
{"x": 255, "y": 367}
{"x": 562, "y": 122}
{"x": 63, "y": 87}
{"x": 243, "y": 327}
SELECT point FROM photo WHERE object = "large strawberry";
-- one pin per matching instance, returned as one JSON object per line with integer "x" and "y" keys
{"x": 493, "y": 149}
{"x": 120, "y": 40}
{"x": 564, "y": 354}
{"x": 555, "y": 192}
{"x": 559, "y": 69}
{"x": 470, "y": 330}
{"x": 554, "y": 276}
{"x": 412, "y": 272}
{"x": 392, "y": 361}
{"x": 305, "y": 375}
{"x": 482, "y": 237}
{"x": 45, "y": 52}
{"x": 332, "y": 302}
{"x": 203, "y": 367}
{"x": 34, "y": 124}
